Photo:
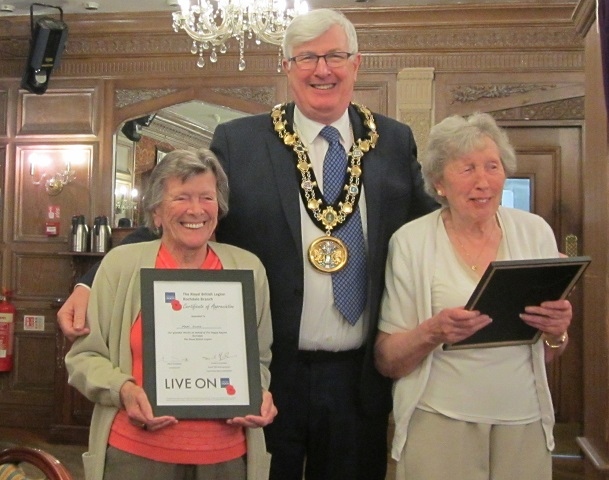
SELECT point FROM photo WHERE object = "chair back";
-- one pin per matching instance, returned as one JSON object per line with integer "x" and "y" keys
{"x": 12, "y": 458}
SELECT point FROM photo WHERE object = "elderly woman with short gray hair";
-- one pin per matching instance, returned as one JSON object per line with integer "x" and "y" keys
{"x": 186, "y": 195}
{"x": 481, "y": 413}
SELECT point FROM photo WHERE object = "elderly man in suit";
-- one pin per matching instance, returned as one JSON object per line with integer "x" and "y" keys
{"x": 333, "y": 405}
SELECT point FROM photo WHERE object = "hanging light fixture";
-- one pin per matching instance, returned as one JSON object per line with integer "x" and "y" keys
{"x": 212, "y": 23}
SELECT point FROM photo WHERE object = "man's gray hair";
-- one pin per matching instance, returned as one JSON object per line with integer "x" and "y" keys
{"x": 308, "y": 26}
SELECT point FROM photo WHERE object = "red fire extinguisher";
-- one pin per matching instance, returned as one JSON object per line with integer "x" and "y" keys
{"x": 8, "y": 312}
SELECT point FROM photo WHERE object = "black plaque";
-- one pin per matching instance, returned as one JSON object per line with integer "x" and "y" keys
{"x": 507, "y": 286}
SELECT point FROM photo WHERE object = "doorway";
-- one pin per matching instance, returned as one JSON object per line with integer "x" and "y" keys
{"x": 550, "y": 157}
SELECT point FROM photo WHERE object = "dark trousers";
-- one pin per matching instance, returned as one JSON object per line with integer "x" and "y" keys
{"x": 320, "y": 427}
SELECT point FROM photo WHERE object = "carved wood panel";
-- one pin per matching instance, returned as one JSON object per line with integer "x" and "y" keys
{"x": 26, "y": 392}
{"x": 41, "y": 276}
{"x": 58, "y": 112}
{"x": 518, "y": 96}
{"x": 375, "y": 94}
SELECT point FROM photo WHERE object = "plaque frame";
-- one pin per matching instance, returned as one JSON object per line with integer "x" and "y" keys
{"x": 507, "y": 286}
{"x": 148, "y": 278}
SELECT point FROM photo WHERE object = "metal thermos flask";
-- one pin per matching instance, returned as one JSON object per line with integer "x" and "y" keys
{"x": 80, "y": 234}
{"x": 92, "y": 239}
{"x": 101, "y": 235}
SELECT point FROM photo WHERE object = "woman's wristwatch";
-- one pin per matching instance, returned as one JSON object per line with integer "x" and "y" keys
{"x": 555, "y": 343}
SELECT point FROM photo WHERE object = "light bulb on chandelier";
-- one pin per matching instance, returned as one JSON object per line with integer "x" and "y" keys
{"x": 213, "y": 23}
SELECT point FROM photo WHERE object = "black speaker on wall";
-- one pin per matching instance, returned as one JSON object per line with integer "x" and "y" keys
{"x": 133, "y": 128}
{"x": 46, "y": 46}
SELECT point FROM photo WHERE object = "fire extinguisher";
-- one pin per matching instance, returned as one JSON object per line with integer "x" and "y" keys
{"x": 7, "y": 329}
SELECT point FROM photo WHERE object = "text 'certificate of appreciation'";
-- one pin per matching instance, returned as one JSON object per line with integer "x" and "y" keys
{"x": 200, "y": 354}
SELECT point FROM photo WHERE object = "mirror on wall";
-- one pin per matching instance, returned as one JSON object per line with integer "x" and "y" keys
{"x": 140, "y": 143}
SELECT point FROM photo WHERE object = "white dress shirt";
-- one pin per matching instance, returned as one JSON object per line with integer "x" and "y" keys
{"x": 322, "y": 326}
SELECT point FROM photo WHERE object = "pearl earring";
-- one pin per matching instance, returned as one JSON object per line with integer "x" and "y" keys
{"x": 441, "y": 193}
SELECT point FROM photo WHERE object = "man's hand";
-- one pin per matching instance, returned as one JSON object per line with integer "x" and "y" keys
{"x": 71, "y": 317}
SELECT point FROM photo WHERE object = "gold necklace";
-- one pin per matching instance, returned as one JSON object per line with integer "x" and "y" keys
{"x": 327, "y": 254}
{"x": 474, "y": 263}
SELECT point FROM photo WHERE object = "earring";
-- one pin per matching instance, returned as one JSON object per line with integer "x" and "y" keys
{"x": 440, "y": 192}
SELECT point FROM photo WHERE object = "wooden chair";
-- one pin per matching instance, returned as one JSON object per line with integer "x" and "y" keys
{"x": 12, "y": 459}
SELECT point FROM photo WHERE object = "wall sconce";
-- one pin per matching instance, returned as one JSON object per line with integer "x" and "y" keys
{"x": 53, "y": 183}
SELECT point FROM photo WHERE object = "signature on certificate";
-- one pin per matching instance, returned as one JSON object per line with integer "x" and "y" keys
{"x": 219, "y": 357}
{"x": 173, "y": 360}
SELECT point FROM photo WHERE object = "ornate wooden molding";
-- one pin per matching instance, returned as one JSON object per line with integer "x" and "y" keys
{"x": 413, "y": 39}
{"x": 468, "y": 38}
{"x": 571, "y": 61}
{"x": 261, "y": 95}
{"x": 507, "y": 38}
{"x": 567, "y": 109}
{"x": 584, "y": 16}
{"x": 415, "y": 101}
{"x": 535, "y": 12}
{"x": 510, "y": 62}
{"x": 124, "y": 98}
{"x": 181, "y": 134}
{"x": 472, "y": 93}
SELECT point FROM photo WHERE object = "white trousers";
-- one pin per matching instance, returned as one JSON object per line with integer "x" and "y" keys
{"x": 439, "y": 448}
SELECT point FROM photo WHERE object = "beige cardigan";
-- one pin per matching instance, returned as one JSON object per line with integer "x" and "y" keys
{"x": 98, "y": 364}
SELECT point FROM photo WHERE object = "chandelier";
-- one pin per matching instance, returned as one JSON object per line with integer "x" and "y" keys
{"x": 213, "y": 23}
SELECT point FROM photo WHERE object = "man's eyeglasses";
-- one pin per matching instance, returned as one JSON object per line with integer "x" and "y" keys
{"x": 308, "y": 61}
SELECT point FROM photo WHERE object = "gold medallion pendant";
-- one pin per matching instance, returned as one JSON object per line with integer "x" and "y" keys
{"x": 328, "y": 254}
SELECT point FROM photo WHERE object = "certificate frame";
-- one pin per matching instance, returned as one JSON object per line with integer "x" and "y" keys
{"x": 200, "y": 326}
{"x": 507, "y": 286}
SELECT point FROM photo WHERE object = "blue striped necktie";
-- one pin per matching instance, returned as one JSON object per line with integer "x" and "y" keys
{"x": 349, "y": 284}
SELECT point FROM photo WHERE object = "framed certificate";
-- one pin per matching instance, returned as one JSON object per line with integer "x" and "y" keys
{"x": 506, "y": 287}
{"x": 200, "y": 343}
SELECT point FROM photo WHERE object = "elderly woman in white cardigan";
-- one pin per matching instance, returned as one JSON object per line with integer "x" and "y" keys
{"x": 482, "y": 413}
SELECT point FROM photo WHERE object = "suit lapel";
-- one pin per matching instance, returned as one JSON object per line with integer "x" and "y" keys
{"x": 284, "y": 172}
{"x": 374, "y": 173}
{"x": 372, "y": 169}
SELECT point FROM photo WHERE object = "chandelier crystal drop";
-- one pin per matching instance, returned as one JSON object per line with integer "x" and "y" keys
{"x": 213, "y": 23}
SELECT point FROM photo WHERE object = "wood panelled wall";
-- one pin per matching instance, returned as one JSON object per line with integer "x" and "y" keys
{"x": 595, "y": 439}
{"x": 524, "y": 62}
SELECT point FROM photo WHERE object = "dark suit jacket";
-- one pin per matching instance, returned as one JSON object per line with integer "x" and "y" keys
{"x": 264, "y": 218}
